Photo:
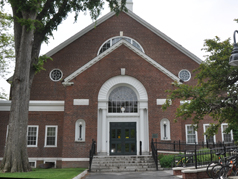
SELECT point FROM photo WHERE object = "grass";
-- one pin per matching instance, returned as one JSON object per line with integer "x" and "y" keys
{"x": 53, "y": 173}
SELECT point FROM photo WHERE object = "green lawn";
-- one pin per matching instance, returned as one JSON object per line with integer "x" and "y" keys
{"x": 53, "y": 173}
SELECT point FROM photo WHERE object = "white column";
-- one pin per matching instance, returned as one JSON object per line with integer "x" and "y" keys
{"x": 104, "y": 132}
{"x": 142, "y": 132}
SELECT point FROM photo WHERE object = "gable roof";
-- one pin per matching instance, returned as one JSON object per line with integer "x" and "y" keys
{"x": 67, "y": 80}
{"x": 138, "y": 19}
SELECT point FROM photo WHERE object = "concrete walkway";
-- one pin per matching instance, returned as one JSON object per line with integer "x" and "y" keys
{"x": 166, "y": 174}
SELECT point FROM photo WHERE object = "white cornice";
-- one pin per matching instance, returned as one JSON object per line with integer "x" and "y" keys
{"x": 36, "y": 105}
{"x": 108, "y": 51}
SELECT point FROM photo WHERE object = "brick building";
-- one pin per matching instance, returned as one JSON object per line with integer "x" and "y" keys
{"x": 108, "y": 84}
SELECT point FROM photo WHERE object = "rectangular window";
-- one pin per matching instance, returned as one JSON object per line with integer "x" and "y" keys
{"x": 226, "y": 137}
{"x": 51, "y": 136}
{"x": 32, "y": 136}
{"x": 191, "y": 134}
{"x": 206, "y": 138}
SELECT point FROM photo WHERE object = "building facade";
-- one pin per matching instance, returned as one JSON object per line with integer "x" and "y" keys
{"x": 108, "y": 84}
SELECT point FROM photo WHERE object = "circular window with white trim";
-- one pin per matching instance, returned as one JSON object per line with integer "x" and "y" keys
{"x": 56, "y": 75}
{"x": 184, "y": 75}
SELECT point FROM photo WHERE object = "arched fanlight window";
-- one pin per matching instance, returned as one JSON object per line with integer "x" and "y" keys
{"x": 80, "y": 130}
{"x": 165, "y": 129}
{"x": 122, "y": 100}
{"x": 106, "y": 45}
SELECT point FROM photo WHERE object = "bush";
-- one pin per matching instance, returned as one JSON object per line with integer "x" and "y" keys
{"x": 166, "y": 161}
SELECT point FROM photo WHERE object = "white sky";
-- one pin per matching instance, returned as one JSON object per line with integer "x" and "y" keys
{"x": 188, "y": 22}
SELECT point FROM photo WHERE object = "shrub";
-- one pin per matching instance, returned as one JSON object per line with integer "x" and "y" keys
{"x": 166, "y": 161}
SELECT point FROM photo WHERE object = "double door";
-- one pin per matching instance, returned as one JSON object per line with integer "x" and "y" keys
{"x": 123, "y": 138}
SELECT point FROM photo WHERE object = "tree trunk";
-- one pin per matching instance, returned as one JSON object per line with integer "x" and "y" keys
{"x": 15, "y": 156}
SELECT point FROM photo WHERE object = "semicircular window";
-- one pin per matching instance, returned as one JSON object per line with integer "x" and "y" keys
{"x": 106, "y": 45}
{"x": 122, "y": 100}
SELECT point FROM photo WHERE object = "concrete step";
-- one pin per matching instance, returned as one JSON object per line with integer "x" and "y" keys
{"x": 123, "y": 163}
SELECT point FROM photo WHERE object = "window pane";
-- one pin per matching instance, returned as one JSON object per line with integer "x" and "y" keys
{"x": 51, "y": 136}
{"x": 118, "y": 148}
{"x": 31, "y": 135}
{"x": 122, "y": 100}
{"x": 127, "y": 147}
{"x": 132, "y": 133}
{"x": 191, "y": 135}
{"x": 113, "y": 148}
{"x": 127, "y": 134}
{"x": 118, "y": 133}
{"x": 226, "y": 137}
{"x": 113, "y": 133}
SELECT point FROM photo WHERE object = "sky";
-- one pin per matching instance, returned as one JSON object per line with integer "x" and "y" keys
{"x": 188, "y": 22}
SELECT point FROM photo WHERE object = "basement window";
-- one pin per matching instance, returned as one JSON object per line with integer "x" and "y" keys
{"x": 32, "y": 164}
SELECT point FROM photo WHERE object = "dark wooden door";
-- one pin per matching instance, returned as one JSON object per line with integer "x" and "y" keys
{"x": 122, "y": 138}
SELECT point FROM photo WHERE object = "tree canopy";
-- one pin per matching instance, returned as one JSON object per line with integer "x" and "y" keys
{"x": 216, "y": 91}
{"x": 6, "y": 46}
{"x": 34, "y": 21}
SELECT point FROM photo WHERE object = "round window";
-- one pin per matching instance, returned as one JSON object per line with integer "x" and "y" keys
{"x": 184, "y": 75}
{"x": 56, "y": 75}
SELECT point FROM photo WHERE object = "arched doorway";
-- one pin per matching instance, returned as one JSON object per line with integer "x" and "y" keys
{"x": 122, "y": 117}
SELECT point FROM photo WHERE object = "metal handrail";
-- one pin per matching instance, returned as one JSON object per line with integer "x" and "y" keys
{"x": 154, "y": 154}
{"x": 91, "y": 153}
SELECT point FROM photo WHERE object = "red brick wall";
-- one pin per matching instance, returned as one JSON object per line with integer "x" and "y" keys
{"x": 41, "y": 119}
{"x": 88, "y": 84}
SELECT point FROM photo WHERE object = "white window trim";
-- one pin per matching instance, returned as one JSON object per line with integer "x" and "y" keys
{"x": 56, "y": 135}
{"x": 186, "y": 132}
{"x": 77, "y": 130}
{"x": 167, "y": 129}
{"x": 37, "y": 130}
{"x": 231, "y": 132}
{"x": 204, "y": 130}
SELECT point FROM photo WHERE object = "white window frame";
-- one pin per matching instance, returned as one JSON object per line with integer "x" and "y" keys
{"x": 56, "y": 135}
{"x": 37, "y": 130}
{"x": 222, "y": 129}
{"x": 204, "y": 130}
{"x": 186, "y": 132}
{"x": 77, "y": 123}
{"x": 162, "y": 122}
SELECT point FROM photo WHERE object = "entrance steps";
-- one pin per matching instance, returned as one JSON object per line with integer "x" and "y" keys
{"x": 123, "y": 163}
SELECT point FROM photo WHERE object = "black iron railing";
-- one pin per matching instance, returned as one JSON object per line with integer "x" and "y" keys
{"x": 181, "y": 146}
{"x": 91, "y": 153}
{"x": 201, "y": 158}
{"x": 154, "y": 154}
{"x": 140, "y": 147}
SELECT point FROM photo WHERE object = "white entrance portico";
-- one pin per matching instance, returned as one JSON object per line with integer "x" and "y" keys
{"x": 139, "y": 116}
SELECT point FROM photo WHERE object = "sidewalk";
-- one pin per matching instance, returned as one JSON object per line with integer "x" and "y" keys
{"x": 166, "y": 174}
